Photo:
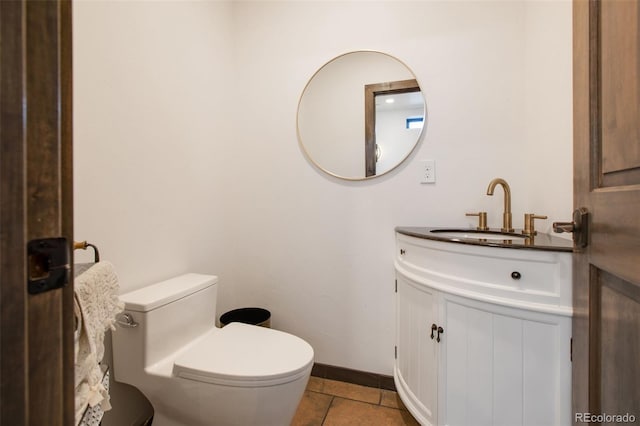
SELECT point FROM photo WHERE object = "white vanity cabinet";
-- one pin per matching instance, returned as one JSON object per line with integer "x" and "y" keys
{"x": 503, "y": 317}
{"x": 416, "y": 372}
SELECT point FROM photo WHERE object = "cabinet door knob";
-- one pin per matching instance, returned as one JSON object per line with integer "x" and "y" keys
{"x": 402, "y": 251}
{"x": 440, "y": 331}
{"x": 433, "y": 329}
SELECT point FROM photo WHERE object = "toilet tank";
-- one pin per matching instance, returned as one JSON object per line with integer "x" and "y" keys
{"x": 170, "y": 315}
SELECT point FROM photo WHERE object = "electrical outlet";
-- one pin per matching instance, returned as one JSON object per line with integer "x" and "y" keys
{"x": 428, "y": 171}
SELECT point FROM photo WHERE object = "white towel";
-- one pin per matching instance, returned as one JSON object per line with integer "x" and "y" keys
{"x": 96, "y": 305}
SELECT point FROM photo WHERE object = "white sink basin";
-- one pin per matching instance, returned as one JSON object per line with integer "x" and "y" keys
{"x": 477, "y": 235}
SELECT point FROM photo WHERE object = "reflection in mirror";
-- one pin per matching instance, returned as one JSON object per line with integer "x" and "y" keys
{"x": 394, "y": 115}
{"x": 342, "y": 130}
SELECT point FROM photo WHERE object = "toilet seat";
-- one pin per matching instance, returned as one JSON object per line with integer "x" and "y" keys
{"x": 245, "y": 356}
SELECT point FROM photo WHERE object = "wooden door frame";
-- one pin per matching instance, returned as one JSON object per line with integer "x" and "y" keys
{"x": 581, "y": 130}
{"x": 36, "y": 201}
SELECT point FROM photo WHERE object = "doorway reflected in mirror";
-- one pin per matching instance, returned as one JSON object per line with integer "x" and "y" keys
{"x": 390, "y": 107}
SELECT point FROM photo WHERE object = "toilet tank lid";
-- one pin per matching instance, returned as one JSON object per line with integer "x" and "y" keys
{"x": 156, "y": 295}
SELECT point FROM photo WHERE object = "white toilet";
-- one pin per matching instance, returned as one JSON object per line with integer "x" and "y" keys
{"x": 194, "y": 373}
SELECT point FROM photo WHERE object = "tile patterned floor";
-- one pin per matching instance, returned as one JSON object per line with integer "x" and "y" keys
{"x": 332, "y": 403}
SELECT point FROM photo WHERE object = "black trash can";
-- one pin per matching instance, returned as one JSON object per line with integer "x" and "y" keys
{"x": 255, "y": 316}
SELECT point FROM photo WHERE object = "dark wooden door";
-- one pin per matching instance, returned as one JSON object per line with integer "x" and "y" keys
{"x": 606, "y": 332}
{"x": 36, "y": 330}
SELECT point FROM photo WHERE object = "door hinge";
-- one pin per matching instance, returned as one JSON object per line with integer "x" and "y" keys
{"x": 571, "y": 349}
{"x": 48, "y": 264}
{"x": 395, "y": 350}
{"x": 396, "y": 285}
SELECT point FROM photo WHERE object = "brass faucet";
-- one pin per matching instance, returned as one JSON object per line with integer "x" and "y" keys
{"x": 506, "y": 216}
{"x": 482, "y": 220}
{"x": 529, "y": 228}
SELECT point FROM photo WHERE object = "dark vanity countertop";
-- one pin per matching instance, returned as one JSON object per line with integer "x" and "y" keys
{"x": 539, "y": 242}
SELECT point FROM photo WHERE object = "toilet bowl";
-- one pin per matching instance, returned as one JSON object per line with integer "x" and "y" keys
{"x": 197, "y": 374}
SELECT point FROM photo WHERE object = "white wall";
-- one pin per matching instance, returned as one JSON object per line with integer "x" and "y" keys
{"x": 393, "y": 138}
{"x": 152, "y": 87}
{"x": 318, "y": 251}
{"x": 169, "y": 179}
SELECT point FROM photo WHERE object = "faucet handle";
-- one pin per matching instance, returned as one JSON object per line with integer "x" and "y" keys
{"x": 529, "y": 219}
{"x": 482, "y": 220}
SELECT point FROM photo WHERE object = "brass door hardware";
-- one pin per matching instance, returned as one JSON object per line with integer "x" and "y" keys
{"x": 482, "y": 220}
{"x": 579, "y": 227}
{"x": 529, "y": 228}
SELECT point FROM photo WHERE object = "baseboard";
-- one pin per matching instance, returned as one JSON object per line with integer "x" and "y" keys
{"x": 357, "y": 377}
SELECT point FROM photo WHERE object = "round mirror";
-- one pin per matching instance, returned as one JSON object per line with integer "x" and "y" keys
{"x": 361, "y": 115}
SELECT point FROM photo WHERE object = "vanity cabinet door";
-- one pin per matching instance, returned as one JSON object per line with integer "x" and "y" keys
{"x": 502, "y": 366}
{"x": 417, "y": 364}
